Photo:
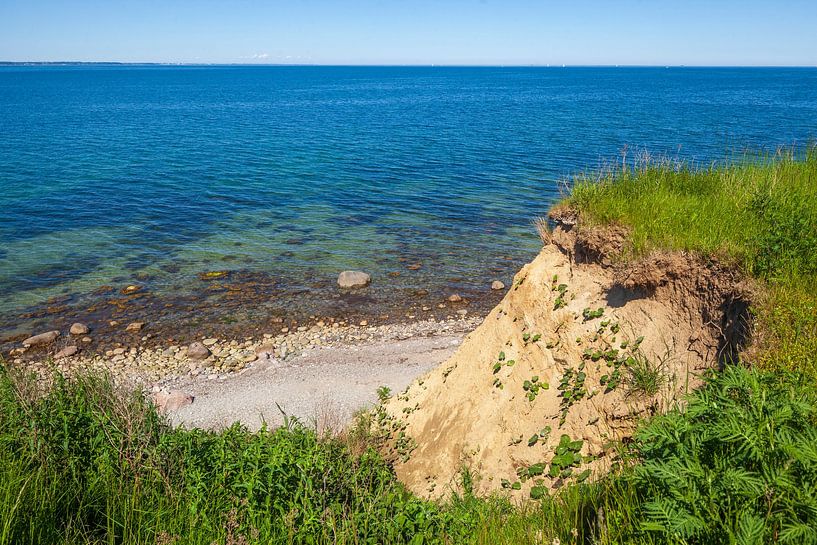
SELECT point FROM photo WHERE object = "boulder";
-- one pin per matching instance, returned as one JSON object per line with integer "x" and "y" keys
{"x": 353, "y": 279}
{"x": 79, "y": 329}
{"x": 497, "y": 285}
{"x": 172, "y": 400}
{"x": 197, "y": 351}
{"x": 41, "y": 339}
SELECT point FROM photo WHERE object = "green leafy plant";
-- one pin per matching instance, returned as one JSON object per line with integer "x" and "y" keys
{"x": 588, "y": 314}
{"x": 738, "y": 465}
{"x": 533, "y": 386}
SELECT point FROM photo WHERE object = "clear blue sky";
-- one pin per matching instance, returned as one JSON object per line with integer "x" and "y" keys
{"x": 657, "y": 32}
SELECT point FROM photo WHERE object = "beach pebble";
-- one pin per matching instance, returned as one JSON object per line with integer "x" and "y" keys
{"x": 66, "y": 352}
{"x": 455, "y": 298}
{"x": 79, "y": 329}
{"x": 209, "y": 342}
{"x": 353, "y": 279}
{"x": 248, "y": 357}
{"x": 42, "y": 338}
{"x": 172, "y": 400}
{"x": 265, "y": 351}
{"x": 497, "y": 285}
{"x": 197, "y": 351}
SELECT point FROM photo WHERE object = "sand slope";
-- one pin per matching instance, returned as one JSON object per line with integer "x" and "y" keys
{"x": 475, "y": 410}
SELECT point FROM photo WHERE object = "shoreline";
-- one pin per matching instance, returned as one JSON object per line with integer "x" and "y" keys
{"x": 133, "y": 316}
{"x": 326, "y": 371}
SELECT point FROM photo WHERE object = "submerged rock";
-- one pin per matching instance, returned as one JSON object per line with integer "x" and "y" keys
{"x": 134, "y": 327}
{"x": 353, "y": 279}
{"x": 497, "y": 285}
{"x": 79, "y": 329}
{"x": 41, "y": 339}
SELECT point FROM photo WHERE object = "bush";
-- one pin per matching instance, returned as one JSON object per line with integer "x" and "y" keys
{"x": 739, "y": 465}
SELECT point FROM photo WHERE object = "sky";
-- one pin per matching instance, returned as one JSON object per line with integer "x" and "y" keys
{"x": 454, "y": 32}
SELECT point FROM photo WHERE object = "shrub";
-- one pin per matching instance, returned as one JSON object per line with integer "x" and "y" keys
{"x": 738, "y": 465}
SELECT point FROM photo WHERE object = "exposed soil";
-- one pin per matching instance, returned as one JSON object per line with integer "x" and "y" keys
{"x": 680, "y": 313}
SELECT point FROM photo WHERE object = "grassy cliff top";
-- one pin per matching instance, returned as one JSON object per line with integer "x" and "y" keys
{"x": 759, "y": 213}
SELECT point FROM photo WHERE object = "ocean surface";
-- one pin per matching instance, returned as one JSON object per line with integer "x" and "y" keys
{"x": 427, "y": 178}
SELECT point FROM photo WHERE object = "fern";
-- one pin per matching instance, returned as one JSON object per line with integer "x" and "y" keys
{"x": 737, "y": 466}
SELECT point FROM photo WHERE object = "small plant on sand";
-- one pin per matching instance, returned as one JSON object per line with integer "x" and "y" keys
{"x": 589, "y": 314}
{"x": 561, "y": 299}
{"x": 644, "y": 377}
{"x": 383, "y": 394}
{"x": 571, "y": 388}
{"x": 533, "y": 386}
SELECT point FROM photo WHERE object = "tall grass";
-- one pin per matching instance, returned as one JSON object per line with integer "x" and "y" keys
{"x": 84, "y": 462}
{"x": 759, "y": 215}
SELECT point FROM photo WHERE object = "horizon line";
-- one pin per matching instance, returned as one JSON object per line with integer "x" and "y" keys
{"x": 397, "y": 65}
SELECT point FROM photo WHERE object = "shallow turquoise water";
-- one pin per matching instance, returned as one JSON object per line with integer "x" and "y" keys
{"x": 150, "y": 174}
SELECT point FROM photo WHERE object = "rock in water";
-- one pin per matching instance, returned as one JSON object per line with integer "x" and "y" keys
{"x": 172, "y": 400}
{"x": 42, "y": 338}
{"x": 135, "y": 327}
{"x": 79, "y": 329}
{"x": 197, "y": 351}
{"x": 455, "y": 298}
{"x": 497, "y": 285}
{"x": 353, "y": 279}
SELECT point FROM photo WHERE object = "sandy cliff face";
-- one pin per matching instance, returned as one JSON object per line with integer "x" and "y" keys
{"x": 534, "y": 395}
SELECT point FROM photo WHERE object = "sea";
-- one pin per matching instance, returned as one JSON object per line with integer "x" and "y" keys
{"x": 233, "y": 195}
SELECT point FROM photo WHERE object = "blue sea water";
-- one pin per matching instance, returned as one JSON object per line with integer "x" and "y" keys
{"x": 153, "y": 174}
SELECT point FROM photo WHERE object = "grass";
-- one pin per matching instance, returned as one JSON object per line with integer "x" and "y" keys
{"x": 759, "y": 215}
{"x": 83, "y": 462}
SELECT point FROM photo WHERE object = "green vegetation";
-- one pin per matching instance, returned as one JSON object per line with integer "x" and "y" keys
{"x": 760, "y": 216}
{"x": 84, "y": 463}
{"x": 739, "y": 466}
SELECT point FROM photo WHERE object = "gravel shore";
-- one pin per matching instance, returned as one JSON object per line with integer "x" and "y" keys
{"x": 320, "y": 374}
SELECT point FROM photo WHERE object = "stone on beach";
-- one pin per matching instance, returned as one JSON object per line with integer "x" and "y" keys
{"x": 455, "y": 298}
{"x": 197, "y": 351}
{"x": 172, "y": 400}
{"x": 353, "y": 279}
{"x": 79, "y": 329}
{"x": 66, "y": 352}
{"x": 497, "y": 285}
{"x": 43, "y": 338}
{"x": 265, "y": 351}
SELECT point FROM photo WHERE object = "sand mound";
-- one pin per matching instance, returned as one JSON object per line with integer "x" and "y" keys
{"x": 577, "y": 350}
